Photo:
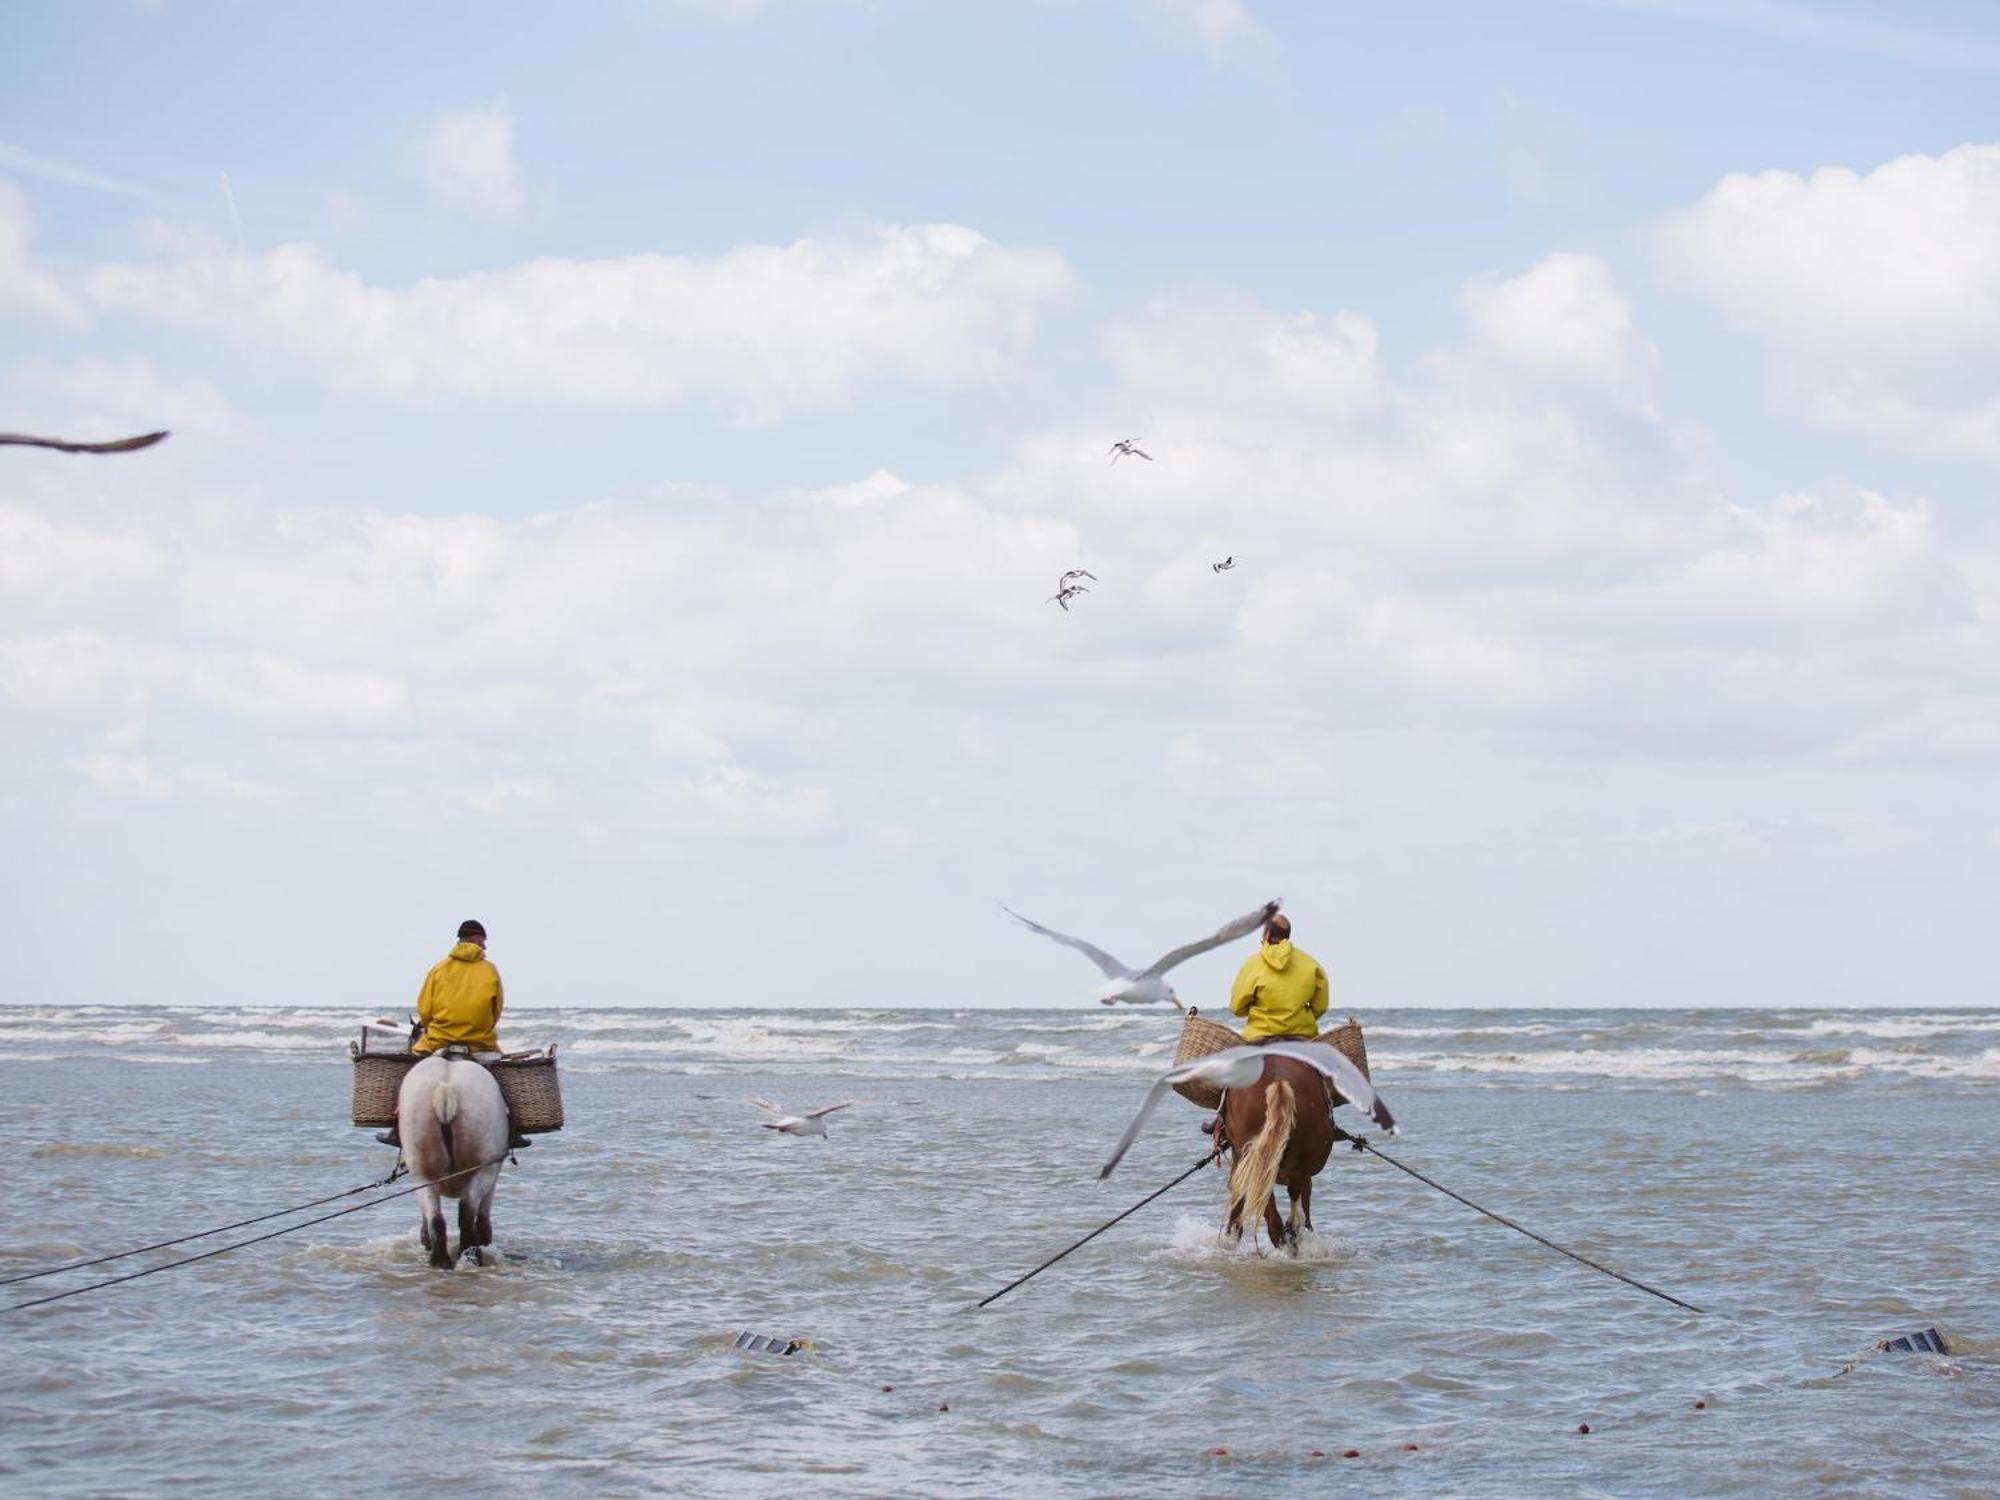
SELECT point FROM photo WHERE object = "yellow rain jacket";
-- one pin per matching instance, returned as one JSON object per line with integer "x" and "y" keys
{"x": 1282, "y": 990}
{"x": 460, "y": 1002}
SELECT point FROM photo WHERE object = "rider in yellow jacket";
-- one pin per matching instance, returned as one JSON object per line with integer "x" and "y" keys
{"x": 1281, "y": 989}
{"x": 460, "y": 1005}
{"x": 461, "y": 1000}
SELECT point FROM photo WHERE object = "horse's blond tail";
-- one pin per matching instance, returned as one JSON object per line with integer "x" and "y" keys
{"x": 1255, "y": 1173}
{"x": 444, "y": 1104}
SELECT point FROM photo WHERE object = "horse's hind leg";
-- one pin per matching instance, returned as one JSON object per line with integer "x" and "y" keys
{"x": 1275, "y": 1226}
{"x": 468, "y": 1231}
{"x": 430, "y": 1228}
{"x": 1302, "y": 1204}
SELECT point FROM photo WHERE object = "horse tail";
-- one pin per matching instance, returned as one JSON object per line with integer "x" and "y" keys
{"x": 1256, "y": 1171}
{"x": 444, "y": 1104}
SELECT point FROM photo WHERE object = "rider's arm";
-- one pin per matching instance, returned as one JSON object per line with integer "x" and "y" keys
{"x": 1320, "y": 996}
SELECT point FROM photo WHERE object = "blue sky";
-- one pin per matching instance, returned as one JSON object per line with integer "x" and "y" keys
{"x": 621, "y": 455}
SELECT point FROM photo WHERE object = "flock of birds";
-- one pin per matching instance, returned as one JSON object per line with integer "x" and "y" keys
{"x": 1066, "y": 588}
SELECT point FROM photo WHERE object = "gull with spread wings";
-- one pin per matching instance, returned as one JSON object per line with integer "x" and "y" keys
{"x": 64, "y": 445}
{"x": 1241, "y": 1067}
{"x": 811, "y": 1122}
{"x": 1145, "y": 986}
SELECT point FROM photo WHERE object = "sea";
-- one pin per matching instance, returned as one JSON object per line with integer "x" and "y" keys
{"x": 1817, "y": 1182}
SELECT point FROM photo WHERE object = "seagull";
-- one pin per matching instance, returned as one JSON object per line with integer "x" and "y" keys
{"x": 1241, "y": 1067}
{"x": 812, "y": 1122}
{"x": 1224, "y": 566}
{"x": 1066, "y": 591}
{"x": 63, "y": 445}
{"x": 1144, "y": 986}
{"x": 1130, "y": 446}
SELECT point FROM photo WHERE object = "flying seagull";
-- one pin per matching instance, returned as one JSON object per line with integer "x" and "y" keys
{"x": 1241, "y": 1067}
{"x": 1066, "y": 591}
{"x": 1224, "y": 566}
{"x": 1125, "y": 446}
{"x": 1144, "y": 986}
{"x": 812, "y": 1122}
{"x": 63, "y": 445}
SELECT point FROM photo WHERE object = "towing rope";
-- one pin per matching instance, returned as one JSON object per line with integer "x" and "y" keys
{"x": 1361, "y": 1144}
{"x": 202, "y": 1234}
{"x": 258, "y": 1239}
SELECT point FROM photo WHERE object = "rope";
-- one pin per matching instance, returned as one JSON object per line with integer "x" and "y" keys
{"x": 1362, "y": 1145}
{"x": 254, "y": 1239}
{"x": 1206, "y": 1158}
{"x": 202, "y": 1234}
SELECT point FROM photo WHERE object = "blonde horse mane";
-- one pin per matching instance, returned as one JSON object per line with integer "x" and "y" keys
{"x": 1255, "y": 1172}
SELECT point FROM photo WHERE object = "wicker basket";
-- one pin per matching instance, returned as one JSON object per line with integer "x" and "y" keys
{"x": 528, "y": 1083}
{"x": 1201, "y": 1037}
{"x": 378, "y": 1077}
{"x": 533, "y": 1093}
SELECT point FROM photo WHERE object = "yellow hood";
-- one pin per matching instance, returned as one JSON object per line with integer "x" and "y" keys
{"x": 466, "y": 953}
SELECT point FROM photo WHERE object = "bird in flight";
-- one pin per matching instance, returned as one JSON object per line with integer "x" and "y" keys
{"x": 63, "y": 445}
{"x": 1129, "y": 447}
{"x": 812, "y": 1122}
{"x": 1067, "y": 590}
{"x": 1224, "y": 566}
{"x": 1241, "y": 1067}
{"x": 1131, "y": 986}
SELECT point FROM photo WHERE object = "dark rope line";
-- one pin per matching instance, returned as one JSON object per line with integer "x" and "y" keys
{"x": 1503, "y": 1219}
{"x": 258, "y": 1239}
{"x": 1207, "y": 1157}
{"x": 202, "y": 1234}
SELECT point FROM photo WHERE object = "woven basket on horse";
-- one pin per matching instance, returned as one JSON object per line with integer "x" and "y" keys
{"x": 527, "y": 1082}
{"x": 533, "y": 1092}
{"x": 1201, "y": 1037}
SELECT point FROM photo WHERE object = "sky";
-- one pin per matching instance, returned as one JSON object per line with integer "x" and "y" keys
{"x": 622, "y": 456}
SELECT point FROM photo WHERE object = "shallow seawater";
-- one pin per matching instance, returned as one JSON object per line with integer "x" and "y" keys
{"x": 1745, "y": 1161}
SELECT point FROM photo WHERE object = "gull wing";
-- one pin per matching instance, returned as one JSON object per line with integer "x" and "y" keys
{"x": 1110, "y": 967}
{"x": 1352, "y": 1085}
{"x": 827, "y": 1109}
{"x": 1132, "y": 1130}
{"x": 62, "y": 445}
{"x": 1228, "y": 933}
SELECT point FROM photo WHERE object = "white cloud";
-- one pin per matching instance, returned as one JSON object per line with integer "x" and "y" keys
{"x": 1878, "y": 294}
{"x": 1510, "y": 542}
{"x": 466, "y": 158}
{"x": 24, "y": 290}
{"x": 1221, "y": 28}
{"x": 761, "y": 330}
{"x": 1563, "y": 314}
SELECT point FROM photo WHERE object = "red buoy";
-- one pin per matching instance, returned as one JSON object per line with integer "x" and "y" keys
{"x": 1352, "y": 1453}
{"x": 1583, "y": 1427}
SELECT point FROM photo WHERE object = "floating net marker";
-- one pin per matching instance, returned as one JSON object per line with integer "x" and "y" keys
{"x": 764, "y": 1344}
{"x": 1927, "y": 1341}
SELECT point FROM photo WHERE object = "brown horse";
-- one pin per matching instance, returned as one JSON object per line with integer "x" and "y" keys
{"x": 1279, "y": 1130}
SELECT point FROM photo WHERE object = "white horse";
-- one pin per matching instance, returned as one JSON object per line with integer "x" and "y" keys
{"x": 454, "y": 1127}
